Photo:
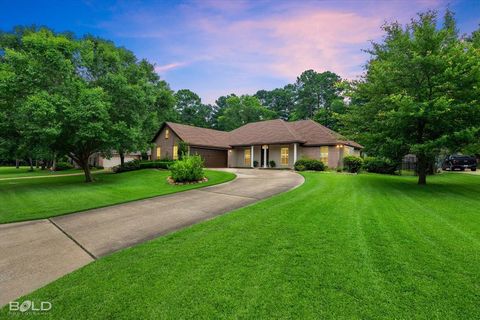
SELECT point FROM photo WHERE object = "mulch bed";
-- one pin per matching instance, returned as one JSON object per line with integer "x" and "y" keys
{"x": 171, "y": 181}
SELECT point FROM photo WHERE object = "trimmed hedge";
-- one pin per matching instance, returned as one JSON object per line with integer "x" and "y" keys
{"x": 60, "y": 166}
{"x": 379, "y": 165}
{"x": 137, "y": 165}
{"x": 272, "y": 164}
{"x": 352, "y": 164}
{"x": 189, "y": 169}
{"x": 127, "y": 166}
{"x": 309, "y": 164}
{"x": 160, "y": 164}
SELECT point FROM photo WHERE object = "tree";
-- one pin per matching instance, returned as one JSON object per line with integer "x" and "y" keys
{"x": 315, "y": 91}
{"x": 242, "y": 110}
{"x": 35, "y": 63}
{"x": 51, "y": 106}
{"x": 191, "y": 110}
{"x": 85, "y": 125}
{"x": 330, "y": 117}
{"x": 419, "y": 94}
{"x": 280, "y": 100}
{"x": 61, "y": 95}
{"x": 218, "y": 109}
{"x": 130, "y": 86}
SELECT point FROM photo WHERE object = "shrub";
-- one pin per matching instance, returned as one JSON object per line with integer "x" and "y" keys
{"x": 182, "y": 149}
{"x": 159, "y": 164}
{"x": 272, "y": 164}
{"x": 379, "y": 165}
{"x": 352, "y": 164}
{"x": 127, "y": 166}
{"x": 99, "y": 167}
{"x": 189, "y": 169}
{"x": 300, "y": 167}
{"x": 255, "y": 163}
{"x": 309, "y": 164}
{"x": 60, "y": 166}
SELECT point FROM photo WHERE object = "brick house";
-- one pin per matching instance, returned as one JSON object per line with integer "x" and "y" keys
{"x": 256, "y": 143}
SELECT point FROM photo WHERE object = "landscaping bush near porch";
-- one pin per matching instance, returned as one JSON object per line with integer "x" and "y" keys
{"x": 189, "y": 169}
{"x": 352, "y": 164}
{"x": 309, "y": 164}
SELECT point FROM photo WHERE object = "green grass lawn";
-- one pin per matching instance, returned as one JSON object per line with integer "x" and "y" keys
{"x": 25, "y": 199}
{"x": 12, "y": 172}
{"x": 338, "y": 247}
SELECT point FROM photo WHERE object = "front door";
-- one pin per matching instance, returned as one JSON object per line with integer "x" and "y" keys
{"x": 263, "y": 157}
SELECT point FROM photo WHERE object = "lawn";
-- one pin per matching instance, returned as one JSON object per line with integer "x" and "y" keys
{"x": 338, "y": 247}
{"x": 25, "y": 199}
{"x": 12, "y": 172}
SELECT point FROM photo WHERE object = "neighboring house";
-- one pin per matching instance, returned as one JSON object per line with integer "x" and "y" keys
{"x": 99, "y": 160}
{"x": 277, "y": 140}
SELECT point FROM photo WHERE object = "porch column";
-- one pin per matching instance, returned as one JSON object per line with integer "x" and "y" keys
{"x": 264, "y": 156}
{"x": 294, "y": 153}
{"x": 251, "y": 156}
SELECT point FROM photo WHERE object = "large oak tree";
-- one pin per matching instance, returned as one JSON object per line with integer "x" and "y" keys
{"x": 420, "y": 93}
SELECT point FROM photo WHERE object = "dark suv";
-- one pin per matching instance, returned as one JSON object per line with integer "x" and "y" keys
{"x": 459, "y": 163}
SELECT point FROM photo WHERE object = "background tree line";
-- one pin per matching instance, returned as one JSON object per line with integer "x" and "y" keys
{"x": 314, "y": 95}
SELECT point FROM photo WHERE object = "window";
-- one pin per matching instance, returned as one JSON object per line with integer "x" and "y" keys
{"x": 247, "y": 157}
{"x": 159, "y": 152}
{"x": 167, "y": 133}
{"x": 284, "y": 156}
{"x": 175, "y": 152}
{"x": 324, "y": 154}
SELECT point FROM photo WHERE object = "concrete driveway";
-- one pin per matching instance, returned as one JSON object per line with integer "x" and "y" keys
{"x": 34, "y": 253}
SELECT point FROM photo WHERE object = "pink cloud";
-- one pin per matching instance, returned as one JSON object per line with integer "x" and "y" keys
{"x": 302, "y": 37}
{"x": 167, "y": 67}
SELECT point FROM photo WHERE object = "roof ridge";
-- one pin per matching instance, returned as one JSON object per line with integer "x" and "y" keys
{"x": 294, "y": 133}
{"x": 188, "y": 125}
{"x": 335, "y": 134}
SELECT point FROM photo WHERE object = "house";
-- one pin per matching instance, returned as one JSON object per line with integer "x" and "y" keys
{"x": 100, "y": 160}
{"x": 256, "y": 143}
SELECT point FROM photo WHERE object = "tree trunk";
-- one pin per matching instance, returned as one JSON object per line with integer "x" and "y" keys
{"x": 88, "y": 174}
{"x": 17, "y": 164}
{"x": 36, "y": 163}
{"x": 82, "y": 161}
{"x": 54, "y": 161}
{"x": 122, "y": 157}
{"x": 422, "y": 165}
{"x": 31, "y": 163}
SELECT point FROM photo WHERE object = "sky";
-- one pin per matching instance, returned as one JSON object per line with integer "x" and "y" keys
{"x": 218, "y": 47}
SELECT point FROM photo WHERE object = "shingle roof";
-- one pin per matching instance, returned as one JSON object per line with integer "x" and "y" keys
{"x": 264, "y": 132}
{"x": 201, "y": 136}
{"x": 305, "y": 132}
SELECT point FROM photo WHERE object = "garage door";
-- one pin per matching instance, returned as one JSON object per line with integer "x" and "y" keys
{"x": 212, "y": 158}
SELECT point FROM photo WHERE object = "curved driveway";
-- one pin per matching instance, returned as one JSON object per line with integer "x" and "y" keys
{"x": 34, "y": 253}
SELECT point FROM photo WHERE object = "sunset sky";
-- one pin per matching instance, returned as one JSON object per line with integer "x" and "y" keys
{"x": 219, "y": 47}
